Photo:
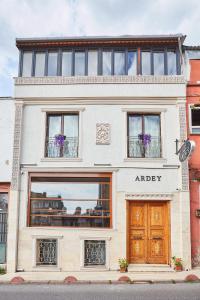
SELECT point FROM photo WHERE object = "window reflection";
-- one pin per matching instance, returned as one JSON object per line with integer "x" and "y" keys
{"x": 146, "y": 63}
{"x": 39, "y": 64}
{"x": 132, "y": 63}
{"x": 27, "y": 64}
{"x": 171, "y": 59}
{"x": 67, "y": 63}
{"x": 79, "y": 63}
{"x": 52, "y": 63}
{"x": 119, "y": 63}
{"x": 158, "y": 58}
{"x": 92, "y": 62}
{"x": 106, "y": 57}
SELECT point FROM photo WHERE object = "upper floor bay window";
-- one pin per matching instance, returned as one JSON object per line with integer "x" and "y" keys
{"x": 146, "y": 62}
{"x": 119, "y": 63}
{"x": 39, "y": 64}
{"x": 79, "y": 69}
{"x": 195, "y": 119}
{"x": 27, "y": 64}
{"x": 158, "y": 63}
{"x": 92, "y": 62}
{"x": 66, "y": 63}
{"x": 132, "y": 63}
{"x": 106, "y": 63}
{"x": 172, "y": 63}
{"x": 144, "y": 138}
{"x": 70, "y": 200}
{"x": 62, "y": 135}
{"x": 52, "y": 64}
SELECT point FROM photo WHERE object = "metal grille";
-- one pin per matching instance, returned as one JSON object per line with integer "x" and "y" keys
{"x": 95, "y": 253}
{"x": 136, "y": 147}
{"x": 46, "y": 252}
{"x": 68, "y": 148}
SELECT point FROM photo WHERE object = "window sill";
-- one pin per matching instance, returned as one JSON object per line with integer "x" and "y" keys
{"x": 94, "y": 269}
{"x": 143, "y": 159}
{"x": 61, "y": 159}
{"x": 46, "y": 268}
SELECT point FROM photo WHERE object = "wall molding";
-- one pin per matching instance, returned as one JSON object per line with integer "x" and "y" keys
{"x": 148, "y": 196}
{"x": 63, "y": 80}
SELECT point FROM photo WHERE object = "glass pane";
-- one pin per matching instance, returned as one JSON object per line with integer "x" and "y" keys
{"x": 159, "y": 63}
{"x": 71, "y": 125}
{"x": 27, "y": 64}
{"x": 171, "y": 61}
{"x": 146, "y": 63}
{"x": 132, "y": 63}
{"x": 135, "y": 129}
{"x": 39, "y": 64}
{"x": 52, "y": 63}
{"x": 54, "y": 126}
{"x": 79, "y": 63}
{"x": 106, "y": 68}
{"x": 119, "y": 63}
{"x": 196, "y": 117}
{"x": 152, "y": 128}
{"x": 92, "y": 63}
{"x": 67, "y": 63}
{"x": 3, "y": 202}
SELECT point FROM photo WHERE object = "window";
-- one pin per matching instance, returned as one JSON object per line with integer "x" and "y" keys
{"x": 67, "y": 63}
{"x": 79, "y": 63}
{"x": 158, "y": 60}
{"x": 39, "y": 64}
{"x": 171, "y": 62}
{"x": 106, "y": 63}
{"x": 27, "y": 64}
{"x": 144, "y": 136}
{"x": 71, "y": 201}
{"x": 3, "y": 226}
{"x": 195, "y": 119}
{"x": 94, "y": 253}
{"x": 132, "y": 62}
{"x": 119, "y": 63}
{"x": 52, "y": 63}
{"x": 46, "y": 252}
{"x": 92, "y": 62}
{"x": 146, "y": 62}
{"x": 62, "y": 135}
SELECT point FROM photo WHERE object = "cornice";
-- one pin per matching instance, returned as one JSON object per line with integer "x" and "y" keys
{"x": 148, "y": 196}
{"x": 123, "y": 79}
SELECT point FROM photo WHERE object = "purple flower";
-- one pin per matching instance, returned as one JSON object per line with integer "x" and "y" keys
{"x": 59, "y": 139}
{"x": 145, "y": 139}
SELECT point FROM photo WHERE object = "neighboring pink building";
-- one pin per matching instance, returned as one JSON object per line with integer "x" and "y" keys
{"x": 193, "y": 116}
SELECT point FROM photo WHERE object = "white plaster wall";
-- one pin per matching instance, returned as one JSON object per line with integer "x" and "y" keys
{"x": 7, "y": 109}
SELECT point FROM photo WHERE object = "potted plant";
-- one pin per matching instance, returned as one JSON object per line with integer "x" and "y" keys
{"x": 123, "y": 264}
{"x": 177, "y": 262}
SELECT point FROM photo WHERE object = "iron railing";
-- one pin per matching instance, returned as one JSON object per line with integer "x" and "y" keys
{"x": 138, "y": 148}
{"x": 68, "y": 148}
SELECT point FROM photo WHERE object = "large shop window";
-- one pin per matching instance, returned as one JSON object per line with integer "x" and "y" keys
{"x": 144, "y": 138}
{"x": 195, "y": 119}
{"x": 62, "y": 135}
{"x": 75, "y": 201}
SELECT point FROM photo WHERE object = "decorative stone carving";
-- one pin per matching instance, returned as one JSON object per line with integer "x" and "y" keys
{"x": 148, "y": 196}
{"x": 16, "y": 146}
{"x": 102, "y": 134}
{"x": 99, "y": 79}
{"x": 183, "y": 136}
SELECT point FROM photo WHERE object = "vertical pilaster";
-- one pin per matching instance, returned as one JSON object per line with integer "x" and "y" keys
{"x": 13, "y": 209}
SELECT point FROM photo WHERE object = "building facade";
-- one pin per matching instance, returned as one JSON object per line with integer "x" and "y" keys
{"x": 95, "y": 174}
{"x": 6, "y": 133}
{"x": 193, "y": 116}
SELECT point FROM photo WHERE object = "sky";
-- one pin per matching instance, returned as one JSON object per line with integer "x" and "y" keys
{"x": 50, "y": 18}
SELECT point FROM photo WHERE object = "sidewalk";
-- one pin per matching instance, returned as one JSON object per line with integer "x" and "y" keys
{"x": 100, "y": 277}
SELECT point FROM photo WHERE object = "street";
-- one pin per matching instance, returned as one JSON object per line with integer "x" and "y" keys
{"x": 180, "y": 291}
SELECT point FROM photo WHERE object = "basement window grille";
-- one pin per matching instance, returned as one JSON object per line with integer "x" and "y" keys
{"x": 46, "y": 252}
{"x": 95, "y": 253}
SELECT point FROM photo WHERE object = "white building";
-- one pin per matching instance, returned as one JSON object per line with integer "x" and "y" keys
{"x": 7, "y": 110}
{"x": 95, "y": 174}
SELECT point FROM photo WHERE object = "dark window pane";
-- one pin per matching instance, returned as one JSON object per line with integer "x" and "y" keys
{"x": 146, "y": 63}
{"x": 171, "y": 62}
{"x": 95, "y": 253}
{"x": 92, "y": 62}
{"x": 67, "y": 63}
{"x": 106, "y": 68}
{"x": 3, "y": 202}
{"x": 79, "y": 63}
{"x": 159, "y": 63}
{"x": 39, "y": 64}
{"x": 119, "y": 63}
{"x": 132, "y": 63}
{"x": 52, "y": 63}
{"x": 195, "y": 120}
{"x": 27, "y": 64}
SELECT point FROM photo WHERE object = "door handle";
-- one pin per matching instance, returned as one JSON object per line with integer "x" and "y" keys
{"x": 157, "y": 238}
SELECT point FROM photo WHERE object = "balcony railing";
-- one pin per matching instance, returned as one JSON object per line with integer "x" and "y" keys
{"x": 138, "y": 148}
{"x": 67, "y": 148}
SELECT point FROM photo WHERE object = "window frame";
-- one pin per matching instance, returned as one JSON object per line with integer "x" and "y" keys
{"x": 190, "y": 120}
{"x": 70, "y": 175}
{"x": 143, "y": 114}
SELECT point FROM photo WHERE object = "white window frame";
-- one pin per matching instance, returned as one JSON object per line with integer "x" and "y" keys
{"x": 190, "y": 120}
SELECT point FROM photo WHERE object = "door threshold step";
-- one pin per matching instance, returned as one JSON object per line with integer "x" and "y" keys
{"x": 149, "y": 268}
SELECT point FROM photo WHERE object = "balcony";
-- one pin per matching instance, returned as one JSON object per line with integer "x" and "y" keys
{"x": 138, "y": 148}
{"x": 66, "y": 147}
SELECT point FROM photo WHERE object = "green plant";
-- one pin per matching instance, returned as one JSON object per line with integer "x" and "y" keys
{"x": 177, "y": 261}
{"x": 2, "y": 271}
{"x": 123, "y": 263}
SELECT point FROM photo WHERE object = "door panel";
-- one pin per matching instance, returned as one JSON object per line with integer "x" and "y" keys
{"x": 148, "y": 232}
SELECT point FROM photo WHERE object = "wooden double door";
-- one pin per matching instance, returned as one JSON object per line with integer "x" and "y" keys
{"x": 148, "y": 232}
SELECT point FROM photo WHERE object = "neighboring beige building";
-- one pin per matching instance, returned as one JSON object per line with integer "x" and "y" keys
{"x": 95, "y": 174}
